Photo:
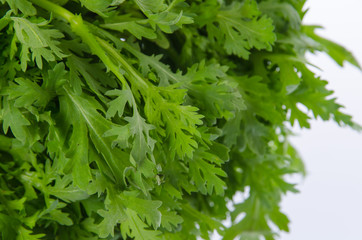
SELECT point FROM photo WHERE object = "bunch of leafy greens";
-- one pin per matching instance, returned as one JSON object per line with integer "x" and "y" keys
{"x": 142, "y": 119}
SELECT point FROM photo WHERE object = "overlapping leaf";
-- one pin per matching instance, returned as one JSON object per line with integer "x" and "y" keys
{"x": 143, "y": 119}
{"x": 242, "y": 28}
{"x": 38, "y": 41}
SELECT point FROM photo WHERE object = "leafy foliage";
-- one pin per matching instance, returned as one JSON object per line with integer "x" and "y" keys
{"x": 143, "y": 119}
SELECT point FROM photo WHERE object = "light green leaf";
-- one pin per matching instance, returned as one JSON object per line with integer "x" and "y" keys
{"x": 24, "y": 6}
{"x": 147, "y": 209}
{"x": 205, "y": 171}
{"x": 84, "y": 109}
{"x": 151, "y": 6}
{"x": 13, "y": 118}
{"x": 241, "y": 33}
{"x": 54, "y": 213}
{"x": 123, "y": 134}
{"x": 170, "y": 219}
{"x": 101, "y": 7}
{"x": 143, "y": 143}
{"x": 338, "y": 53}
{"x": 134, "y": 27}
{"x": 25, "y": 234}
{"x": 39, "y": 40}
{"x": 275, "y": 10}
{"x": 114, "y": 214}
{"x": 118, "y": 104}
{"x": 26, "y": 93}
{"x": 64, "y": 190}
{"x": 135, "y": 228}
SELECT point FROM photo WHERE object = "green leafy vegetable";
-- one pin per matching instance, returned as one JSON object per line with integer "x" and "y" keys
{"x": 143, "y": 119}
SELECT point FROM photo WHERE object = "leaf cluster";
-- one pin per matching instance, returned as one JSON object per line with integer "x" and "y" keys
{"x": 143, "y": 119}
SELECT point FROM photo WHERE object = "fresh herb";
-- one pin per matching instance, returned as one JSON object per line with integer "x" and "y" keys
{"x": 143, "y": 119}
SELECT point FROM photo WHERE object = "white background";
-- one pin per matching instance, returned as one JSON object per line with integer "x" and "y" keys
{"x": 330, "y": 203}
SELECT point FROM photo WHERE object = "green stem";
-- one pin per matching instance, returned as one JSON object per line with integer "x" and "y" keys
{"x": 123, "y": 62}
{"x": 255, "y": 213}
{"x": 54, "y": 8}
{"x": 78, "y": 27}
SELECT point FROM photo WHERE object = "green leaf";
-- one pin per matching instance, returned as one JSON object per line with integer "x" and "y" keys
{"x": 164, "y": 73}
{"x": 338, "y": 53}
{"x": 119, "y": 103}
{"x": 186, "y": 119}
{"x": 78, "y": 151}
{"x": 83, "y": 72}
{"x": 146, "y": 209}
{"x": 101, "y": 7}
{"x": 136, "y": 127}
{"x": 26, "y": 93}
{"x": 115, "y": 214}
{"x": 54, "y": 213}
{"x": 134, "y": 27}
{"x": 170, "y": 219}
{"x": 8, "y": 226}
{"x": 15, "y": 120}
{"x": 283, "y": 10}
{"x": 178, "y": 122}
{"x": 39, "y": 40}
{"x": 231, "y": 130}
{"x": 24, "y": 6}
{"x": 123, "y": 134}
{"x": 148, "y": 6}
{"x": 55, "y": 78}
{"x": 25, "y": 234}
{"x": 256, "y": 134}
{"x": 241, "y": 33}
{"x": 64, "y": 190}
{"x": 84, "y": 109}
{"x": 5, "y": 20}
{"x": 145, "y": 119}
{"x": 167, "y": 17}
{"x": 205, "y": 171}
{"x": 135, "y": 228}
{"x": 142, "y": 143}
{"x": 123, "y": 208}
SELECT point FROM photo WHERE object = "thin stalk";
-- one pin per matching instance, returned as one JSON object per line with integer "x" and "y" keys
{"x": 117, "y": 56}
{"x": 78, "y": 27}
